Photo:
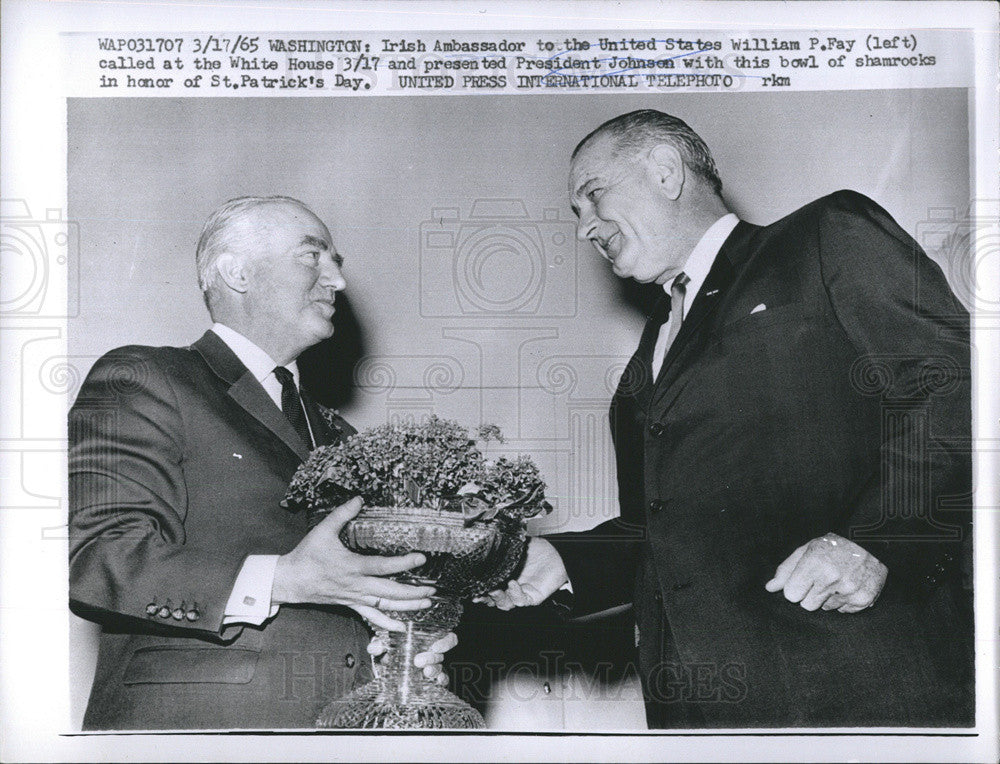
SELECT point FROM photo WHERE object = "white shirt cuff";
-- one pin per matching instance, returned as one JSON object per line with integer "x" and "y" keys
{"x": 250, "y": 601}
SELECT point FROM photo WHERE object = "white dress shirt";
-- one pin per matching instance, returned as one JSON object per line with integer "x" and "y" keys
{"x": 698, "y": 264}
{"x": 250, "y": 601}
{"x": 696, "y": 268}
{"x": 260, "y": 364}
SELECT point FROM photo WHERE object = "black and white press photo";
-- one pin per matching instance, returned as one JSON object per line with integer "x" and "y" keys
{"x": 563, "y": 383}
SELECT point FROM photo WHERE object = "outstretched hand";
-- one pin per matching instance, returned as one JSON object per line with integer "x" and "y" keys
{"x": 321, "y": 570}
{"x": 543, "y": 574}
{"x": 830, "y": 572}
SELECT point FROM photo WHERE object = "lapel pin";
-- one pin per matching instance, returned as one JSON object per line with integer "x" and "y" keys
{"x": 758, "y": 309}
{"x": 238, "y": 456}
{"x": 709, "y": 294}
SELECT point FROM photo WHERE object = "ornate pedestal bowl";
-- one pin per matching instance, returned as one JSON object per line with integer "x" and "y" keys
{"x": 463, "y": 561}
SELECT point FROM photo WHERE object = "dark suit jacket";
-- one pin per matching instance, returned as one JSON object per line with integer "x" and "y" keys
{"x": 178, "y": 459}
{"x": 843, "y": 406}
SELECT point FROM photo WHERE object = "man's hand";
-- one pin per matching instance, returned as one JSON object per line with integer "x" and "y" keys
{"x": 830, "y": 572}
{"x": 543, "y": 574}
{"x": 321, "y": 570}
{"x": 430, "y": 661}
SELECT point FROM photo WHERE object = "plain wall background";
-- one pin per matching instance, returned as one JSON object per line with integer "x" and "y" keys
{"x": 504, "y": 320}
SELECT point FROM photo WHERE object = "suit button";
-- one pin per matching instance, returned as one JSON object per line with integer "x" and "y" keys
{"x": 349, "y": 661}
{"x": 655, "y": 505}
{"x": 681, "y": 585}
{"x": 151, "y": 608}
{"x": 193, "y": 614}
{"x": 656, "y": 429}
{"x": 164, "y": 612}
{"x": 177, "y": 613}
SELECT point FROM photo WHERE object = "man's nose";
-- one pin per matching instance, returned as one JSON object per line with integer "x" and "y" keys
{"x": 331, "y": 275}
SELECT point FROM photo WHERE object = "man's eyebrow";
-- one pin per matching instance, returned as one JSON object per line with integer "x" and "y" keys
{"x": 581, "y": 190}
{"x": 314, "y": 241}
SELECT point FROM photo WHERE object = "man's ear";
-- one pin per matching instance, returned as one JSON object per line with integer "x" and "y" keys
{"x": 233, "y": 271}
{"x": 668, "y": 169}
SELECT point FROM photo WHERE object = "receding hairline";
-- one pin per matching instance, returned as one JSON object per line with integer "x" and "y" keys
{"x": 271, "y": 206}
{"x": 592, "y": 138}
{"x": 616, "y": 142}
{"x": 629, "y": 135}
{"x": 265, "y": 215}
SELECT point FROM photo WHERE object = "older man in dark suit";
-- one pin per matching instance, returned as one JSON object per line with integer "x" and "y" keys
{"x": 793, "y": 453}
{"x": 219, "y": 609}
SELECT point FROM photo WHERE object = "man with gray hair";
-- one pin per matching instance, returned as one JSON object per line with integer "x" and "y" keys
{"x": 792, "y": 443}
{"x": 219, "y": 609}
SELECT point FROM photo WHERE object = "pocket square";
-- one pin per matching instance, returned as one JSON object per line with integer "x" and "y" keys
{"x": 758, "y": 309}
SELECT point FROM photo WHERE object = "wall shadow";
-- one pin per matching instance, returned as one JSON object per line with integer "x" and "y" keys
{"x": 327, "y": 369}
{"x": 641, "y": 297}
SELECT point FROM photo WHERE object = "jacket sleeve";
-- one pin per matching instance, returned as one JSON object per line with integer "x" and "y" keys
{"x": 129, "y": 553}
{"x": 911, "y": 336}
{"x": 601, "y": 563}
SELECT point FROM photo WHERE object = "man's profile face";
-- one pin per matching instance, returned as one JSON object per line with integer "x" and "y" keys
{"x": 295, "y": 275}
{"x": 622, "y": 211}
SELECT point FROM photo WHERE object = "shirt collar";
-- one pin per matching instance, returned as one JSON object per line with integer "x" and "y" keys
{"x": 259, "y": 363}
{"x": 699, "y": 262}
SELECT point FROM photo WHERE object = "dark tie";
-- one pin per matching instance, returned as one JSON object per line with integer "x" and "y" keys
{"x": 291, "y": 404}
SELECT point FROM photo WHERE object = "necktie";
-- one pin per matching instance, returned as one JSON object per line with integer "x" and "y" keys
{"x": 291, "y": 404}
{"x": 678, "y": 290}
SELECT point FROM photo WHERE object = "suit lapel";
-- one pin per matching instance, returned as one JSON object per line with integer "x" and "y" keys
{"x": 247, "y": 391}
{"x": 714, "y": 289}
